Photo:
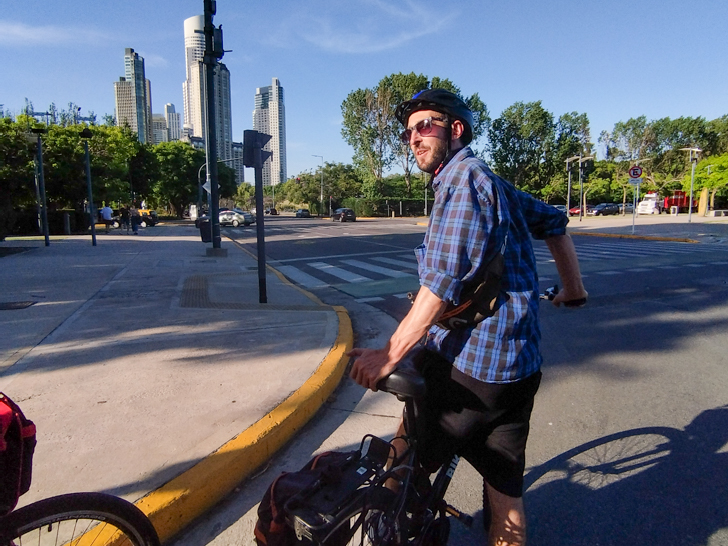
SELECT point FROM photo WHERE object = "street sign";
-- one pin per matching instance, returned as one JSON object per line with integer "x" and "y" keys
{"x": 635, "y": 181}
{"x": 206, "y": 186}
{"x": 635, "y": 172}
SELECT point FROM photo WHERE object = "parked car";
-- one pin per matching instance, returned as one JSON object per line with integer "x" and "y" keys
{"x": 248, "y": 214}
{"x": 272, "y": 211}
{"x": 343, "y": 215}
{"x": 574, "y": 211}
{"x": 303, "y": 213}
{"x": 235, "y": 218}
{"x": 604, "y": 209}
{"x": 628, "y": 208}
{"x": 149, "y": 218}
{"x": 562, "y": 208}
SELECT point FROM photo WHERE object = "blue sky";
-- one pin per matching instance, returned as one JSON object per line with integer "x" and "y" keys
{"x": 612, "y": 59}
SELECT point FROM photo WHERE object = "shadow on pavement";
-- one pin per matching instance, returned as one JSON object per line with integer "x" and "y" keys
{"x": 655, "y": 485}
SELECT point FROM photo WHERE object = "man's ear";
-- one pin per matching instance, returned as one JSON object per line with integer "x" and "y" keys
{"x": 457, "y": 129}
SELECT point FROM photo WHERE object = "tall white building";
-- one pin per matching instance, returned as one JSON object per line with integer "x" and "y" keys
{"x": 174, "y": 124}
{"x": 133, "y": 97}
{"x": 269, "y": 117}
{"x": 193, "y": 91}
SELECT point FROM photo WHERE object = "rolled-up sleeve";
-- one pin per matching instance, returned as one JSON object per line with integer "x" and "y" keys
{"x": 457, "y": 239}
{"x": 543, "y": 220}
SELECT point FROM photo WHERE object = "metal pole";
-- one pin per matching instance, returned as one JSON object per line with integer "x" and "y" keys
{"x": 260, "y": 226}
{"x": 210, "y": 62}
{"x": 41, "y": 184}
{"x": 692, "y": 179}
{"x": 321, "y": 211}
{"x": 90, "y": 195}
{"x": 581, "y": 191}
{"x": 199, "y": 189}
{"x": 568, "y": 189}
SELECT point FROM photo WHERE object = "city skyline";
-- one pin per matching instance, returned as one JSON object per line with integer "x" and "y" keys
{"x": 613, "y": 61}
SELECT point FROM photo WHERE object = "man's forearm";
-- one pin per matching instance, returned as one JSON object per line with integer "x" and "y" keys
{"x": 567, "y": 264}
{"x": 425, "y": 311}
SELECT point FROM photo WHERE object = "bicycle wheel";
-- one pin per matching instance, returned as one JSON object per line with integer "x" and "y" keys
{"x": 78, "y": 519}
{"x": 606, "y": 460}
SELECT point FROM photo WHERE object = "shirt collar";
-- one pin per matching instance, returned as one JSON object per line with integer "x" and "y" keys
{"x": 462, "y": 154}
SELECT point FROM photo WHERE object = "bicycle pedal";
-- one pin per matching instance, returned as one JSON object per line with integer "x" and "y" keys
{"x": 462, "y": 517}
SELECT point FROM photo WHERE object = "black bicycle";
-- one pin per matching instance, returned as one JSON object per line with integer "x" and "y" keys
{"x": 358, "y": 508}
{"x": 382, "y": 500}
{"x": 78, "y": 519}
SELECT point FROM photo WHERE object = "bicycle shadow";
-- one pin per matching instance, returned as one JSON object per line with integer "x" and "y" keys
{"x": 655, "y": 485}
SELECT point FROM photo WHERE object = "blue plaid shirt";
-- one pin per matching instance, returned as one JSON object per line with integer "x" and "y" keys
{"x": 474, "y": 209}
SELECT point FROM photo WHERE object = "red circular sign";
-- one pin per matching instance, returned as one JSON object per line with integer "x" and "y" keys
{"x": 635, "y": 172}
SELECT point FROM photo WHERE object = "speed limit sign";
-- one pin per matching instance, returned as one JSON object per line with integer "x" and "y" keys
{"x": 635, "y": 172}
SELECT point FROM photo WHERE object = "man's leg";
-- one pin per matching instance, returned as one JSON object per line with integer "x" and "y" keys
{"x": 508, "y": 519}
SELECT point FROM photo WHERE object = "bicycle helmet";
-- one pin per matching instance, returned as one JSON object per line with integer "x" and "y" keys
{"x": 439, "y": 100}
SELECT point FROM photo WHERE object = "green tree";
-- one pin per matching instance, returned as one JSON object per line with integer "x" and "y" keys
{"x": 371, "y": 128}
{"x": 521, "y": 140}
{"x": 178, "y": 166}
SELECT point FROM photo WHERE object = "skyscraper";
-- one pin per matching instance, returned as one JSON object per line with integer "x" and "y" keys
{"x": 174, "y": 126}
{"x": 133, "y": 97}
{"x": 159, "y": 128}
{"x": 269, "y": 117}
{"x": 193, "y": 91}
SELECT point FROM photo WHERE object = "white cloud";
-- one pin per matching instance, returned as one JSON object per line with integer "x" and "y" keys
{"x": 368, "y": 27}
{"x": 22, "y": 35}
{"x": 154, "y": 61}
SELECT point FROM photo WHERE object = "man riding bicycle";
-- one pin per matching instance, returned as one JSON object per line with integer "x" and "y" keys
{"x": 482, "y": 368}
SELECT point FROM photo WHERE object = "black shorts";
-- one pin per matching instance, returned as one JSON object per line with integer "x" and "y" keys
{"x": 486, "y": 423}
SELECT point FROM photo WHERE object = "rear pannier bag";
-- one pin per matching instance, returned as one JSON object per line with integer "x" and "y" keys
{"x": 17, "y": 443}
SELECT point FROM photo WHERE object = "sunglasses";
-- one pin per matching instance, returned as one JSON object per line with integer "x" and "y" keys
{"x": 423, "y": 128}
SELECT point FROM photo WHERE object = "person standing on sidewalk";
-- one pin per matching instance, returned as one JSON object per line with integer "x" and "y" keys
{"x": 135, "y": 219}
{"x": 481, "y": 376}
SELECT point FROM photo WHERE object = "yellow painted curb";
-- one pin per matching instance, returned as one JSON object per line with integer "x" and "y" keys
{"x": 625, "y": 236}
{"x": 186, "y": 497}
{"x": 180, "y": 501}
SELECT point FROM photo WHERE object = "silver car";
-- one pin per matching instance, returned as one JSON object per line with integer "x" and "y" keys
{"x": 235, "y": 218}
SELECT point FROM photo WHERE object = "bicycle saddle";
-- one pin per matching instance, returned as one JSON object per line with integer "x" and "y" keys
{"x": 405, "y": 381}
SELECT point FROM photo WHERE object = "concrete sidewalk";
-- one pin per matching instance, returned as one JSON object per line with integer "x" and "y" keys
{"x": 151, "y": 370}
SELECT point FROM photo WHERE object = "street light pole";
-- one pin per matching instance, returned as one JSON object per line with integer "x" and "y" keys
{"x": 85, "y": 135}
{"x": 568, "y": 189}
{"x": 694, "y": 161}
{"x": 41, "y": 184}
{"x": 321, "y": 210}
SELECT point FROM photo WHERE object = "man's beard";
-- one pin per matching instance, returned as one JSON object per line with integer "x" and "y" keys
{"x": 438, "y": 151}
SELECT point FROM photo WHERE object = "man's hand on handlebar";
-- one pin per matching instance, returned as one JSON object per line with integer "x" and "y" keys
{"x": 557, "y": 297}
{"x": 370, "y": 366}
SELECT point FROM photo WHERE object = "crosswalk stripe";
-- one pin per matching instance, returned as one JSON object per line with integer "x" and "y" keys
{"x": 342, "y": 274}
{"x": 302, "y": 278}
{"x": 399, "y": 263}
{"x": 377, "y": 269}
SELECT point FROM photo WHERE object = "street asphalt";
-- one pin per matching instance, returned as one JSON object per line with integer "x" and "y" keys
{"x": 153, "y": 372}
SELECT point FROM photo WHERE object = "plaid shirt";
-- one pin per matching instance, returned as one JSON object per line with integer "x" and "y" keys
{"x": 474, "y": 209}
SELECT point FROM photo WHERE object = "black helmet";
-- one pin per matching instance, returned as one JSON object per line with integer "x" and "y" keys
{"x": 439, "y": 100}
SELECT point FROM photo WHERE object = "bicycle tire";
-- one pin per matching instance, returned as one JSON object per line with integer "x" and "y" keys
{"x": 79, "y": 519}
{"x": 603, "y": 461}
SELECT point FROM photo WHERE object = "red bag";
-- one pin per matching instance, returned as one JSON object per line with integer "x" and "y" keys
{"x": 17, "y": 443}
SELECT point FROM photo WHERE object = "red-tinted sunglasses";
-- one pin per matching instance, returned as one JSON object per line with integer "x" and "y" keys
{"x": 423, "y": 128}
